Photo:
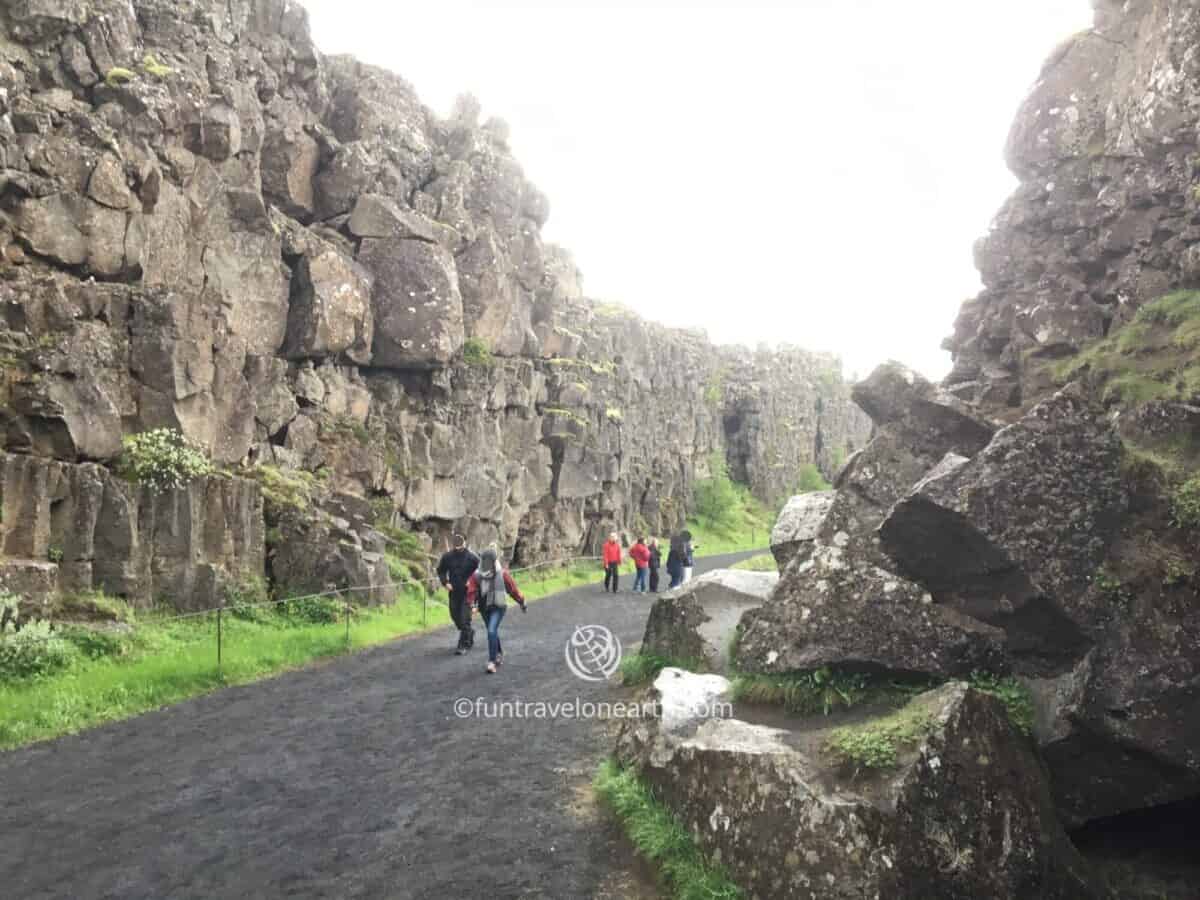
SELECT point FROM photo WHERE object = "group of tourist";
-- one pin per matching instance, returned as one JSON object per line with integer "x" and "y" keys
{"x": 647, "y": 560}
{"x": 478, "y": 583}
{"x": 481, "y": 584}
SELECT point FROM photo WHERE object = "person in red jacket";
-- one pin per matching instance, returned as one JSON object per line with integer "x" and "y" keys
{"x": 488, "y": 590}
{"x": 612, "y": 561}
{"x": 640, "y": 554}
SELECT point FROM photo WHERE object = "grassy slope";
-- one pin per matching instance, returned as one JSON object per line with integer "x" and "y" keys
{"x": 1156, "y": 356}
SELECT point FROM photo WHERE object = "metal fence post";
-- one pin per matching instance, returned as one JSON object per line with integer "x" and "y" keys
{"x": 219, "y": 610}
{"x": 347, "y": 622}
{"x": 424, "y": 606}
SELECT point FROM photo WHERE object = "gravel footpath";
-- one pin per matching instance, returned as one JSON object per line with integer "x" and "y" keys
{"x": 351, "y": 778}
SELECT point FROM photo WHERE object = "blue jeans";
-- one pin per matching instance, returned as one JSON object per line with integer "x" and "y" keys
{"x": 493, "y": 618}
{"x": 639, "y": 581}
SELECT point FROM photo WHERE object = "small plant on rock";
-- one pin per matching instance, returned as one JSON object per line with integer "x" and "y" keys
{"x": 152, "y": 66}
{"x": 1185, "y": 504}
{"x": 1017, "y": 700}
{"x": 118, "y": 76}
{"x": 876, "y": 744}
{"x": 163, "y": 460}
{"x": 476, "y": 353}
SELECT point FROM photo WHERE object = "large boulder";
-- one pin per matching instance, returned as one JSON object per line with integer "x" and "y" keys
{"x": 962, "y": 811}
{"x": 798, "y": 525}
{"x": 417, "y": 305}
{"x": 1014, "y": 537}
{"x": 846, "y": 603}
{"x": 330, "y": 311}
{"x": 1028, "y": 536}
{"x": 695, "y": 623}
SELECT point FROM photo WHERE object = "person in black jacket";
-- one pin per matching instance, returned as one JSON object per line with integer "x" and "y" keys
{"x": 454, "y": 570}
{"x": 655, "y": 563}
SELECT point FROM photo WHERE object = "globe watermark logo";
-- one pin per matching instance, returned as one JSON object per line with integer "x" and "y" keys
{"x": 593, "y": 653}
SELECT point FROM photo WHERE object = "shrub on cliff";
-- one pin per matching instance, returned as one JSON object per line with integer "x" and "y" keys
{"x": 163, "y": 459}
{"x": 716, "y": 497}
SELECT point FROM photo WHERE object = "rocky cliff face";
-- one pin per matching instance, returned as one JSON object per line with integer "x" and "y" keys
{"x": 1106, "y": 217}
{"x": 207, "y": 225}
{"x": 1034, "y": 519}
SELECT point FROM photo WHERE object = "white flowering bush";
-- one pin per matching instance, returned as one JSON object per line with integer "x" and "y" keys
{"x": 163, "y": 459}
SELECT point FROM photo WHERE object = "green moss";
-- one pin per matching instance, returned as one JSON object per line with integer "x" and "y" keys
{"x": 614, "y": 414}
{"x": 567, "y": 414}
{"x": 151, "y": 66}
{"x": 876, "y": 744}
{"x": 714, "y": 388}
{"x": 284, "y": 488}
{"x": 476, "y": 353}
{"x": 117, "y": 76}
{"x": 596, "y": 368}
{"x": 1185, "y": 504}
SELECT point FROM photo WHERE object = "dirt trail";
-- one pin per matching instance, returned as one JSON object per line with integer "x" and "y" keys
{"x": 350, "y": 779}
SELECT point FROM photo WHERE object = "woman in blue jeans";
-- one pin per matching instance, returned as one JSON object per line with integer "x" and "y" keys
{"x": 488, "y": 590}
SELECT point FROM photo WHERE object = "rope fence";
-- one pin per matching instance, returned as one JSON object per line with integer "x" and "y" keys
{"x": 430, "y": 584}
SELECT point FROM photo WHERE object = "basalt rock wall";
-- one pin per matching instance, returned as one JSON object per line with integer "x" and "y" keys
{"x": 1107, "y": 215}
{"x": 207, "y": 225}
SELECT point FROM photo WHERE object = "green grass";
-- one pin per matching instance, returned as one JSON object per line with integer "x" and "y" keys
{"x": 764, "y": 562}
{"x": 171, "y": 661}
{"x": 876, "y": 744}
{"x": 661, "y": 839}
{"x": 1017, "y": 700}
{"x": 810, "y": 480}
{"x": 166, "y": 662}
{"x": 822, "y": 691}
{"x": 748, "y": 527}
{"x": 1156, "y": 356}
{"x": 643, "y": 668}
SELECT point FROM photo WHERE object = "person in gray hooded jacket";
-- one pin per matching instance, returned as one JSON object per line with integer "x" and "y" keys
{"x": 488, "y": 590}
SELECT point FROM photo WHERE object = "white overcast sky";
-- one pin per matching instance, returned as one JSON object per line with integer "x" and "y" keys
{"x": 813, "y": 172}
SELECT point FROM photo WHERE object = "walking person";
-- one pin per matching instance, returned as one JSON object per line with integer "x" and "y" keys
{"x": 454, "y": 569}
{"x": 640, "y": 554}
{"x": 612, "y": 562}
{"x": 655, "y": 564}
{"x": 488, "y": 590}
{"x": 688, "y": 562}
{"x": 675, "y": 559}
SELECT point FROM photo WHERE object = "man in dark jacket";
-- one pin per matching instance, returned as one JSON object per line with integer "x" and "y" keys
{"x": 454, "y": 569}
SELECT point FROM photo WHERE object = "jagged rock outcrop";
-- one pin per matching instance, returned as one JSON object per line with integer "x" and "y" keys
{"x": 205, "y": 224}
{"x": 1104, "y": 218}
{"x": 695, "y": 624}
{"x": 965, "y": 812}
{"x": 844, "y": 602}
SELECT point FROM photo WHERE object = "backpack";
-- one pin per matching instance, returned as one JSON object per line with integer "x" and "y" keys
{"x": 488, "y": 599}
